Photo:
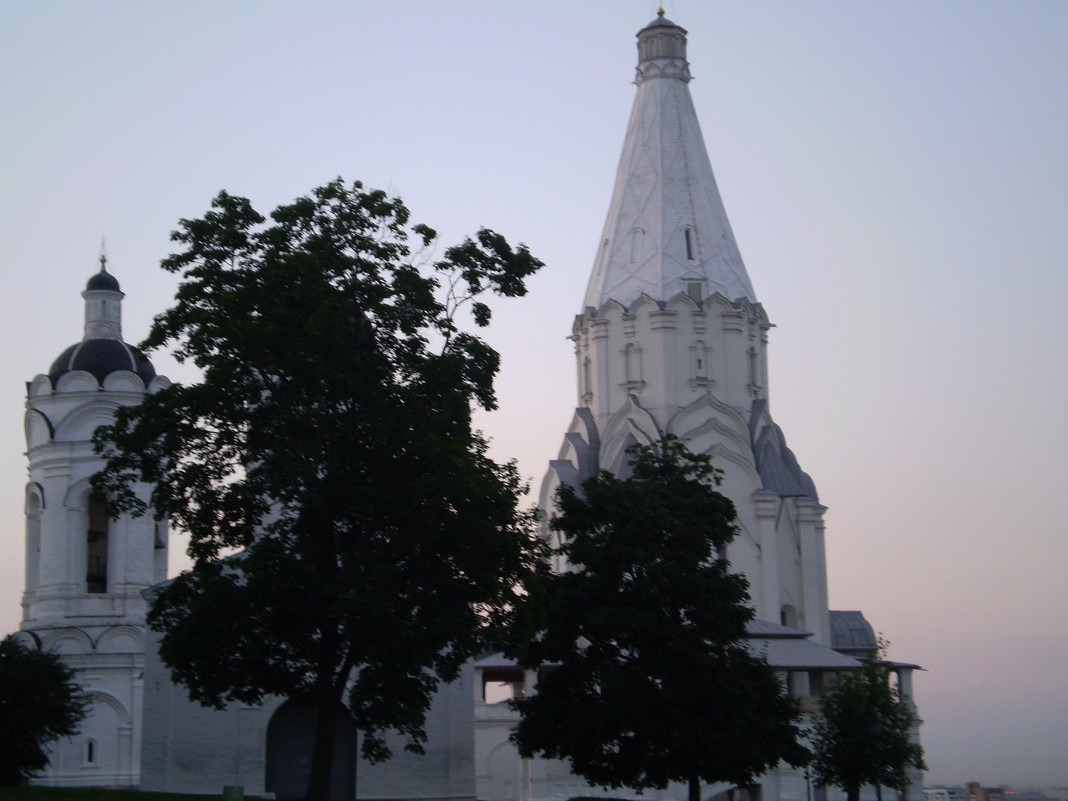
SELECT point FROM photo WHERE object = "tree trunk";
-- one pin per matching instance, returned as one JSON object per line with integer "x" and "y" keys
{"x": 852, "y": 791}
{"x": 322, "y": 762}
{"x": 695, "y": 788}
{"x": 328, "y": 692}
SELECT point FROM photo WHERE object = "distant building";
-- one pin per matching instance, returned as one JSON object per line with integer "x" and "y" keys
{"x": 941, "y": 793}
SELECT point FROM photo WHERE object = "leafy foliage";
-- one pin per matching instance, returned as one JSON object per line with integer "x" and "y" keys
{"x": 331, "y": 442}
{"x": 39, "y": 702}
{"x": 863, "y": 733}
{"x": 647, "y": 680}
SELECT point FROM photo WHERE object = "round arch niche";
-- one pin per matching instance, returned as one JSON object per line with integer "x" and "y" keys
{"x": 290, "y": 737}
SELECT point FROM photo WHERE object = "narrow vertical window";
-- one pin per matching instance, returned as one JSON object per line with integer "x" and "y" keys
{"x": 636, "y": 236}
{"x": 96, "y": 570}
{"x": 33, "y": 542}
{"x": 632, "y": 367}
{"x": 700, "y": 359}
{"x": 688, "y": 235}
{"x": 90, "y": 752}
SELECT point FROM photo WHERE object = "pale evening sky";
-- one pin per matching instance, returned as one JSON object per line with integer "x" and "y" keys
{"x": 896, "y": 175}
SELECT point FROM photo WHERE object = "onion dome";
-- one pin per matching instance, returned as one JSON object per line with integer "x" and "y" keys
{"x": 101, "y": 357}
{"x": 102, "y": 350}
{"x": 103, "y": 280}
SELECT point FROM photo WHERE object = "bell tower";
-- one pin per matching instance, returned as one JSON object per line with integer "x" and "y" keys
{"x": 85, "y": 573}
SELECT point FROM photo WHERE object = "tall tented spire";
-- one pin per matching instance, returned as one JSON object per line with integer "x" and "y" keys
{"x": 667, "y": 231}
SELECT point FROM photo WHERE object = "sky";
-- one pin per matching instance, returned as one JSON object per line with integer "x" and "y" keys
{"x": 895, "y": 173}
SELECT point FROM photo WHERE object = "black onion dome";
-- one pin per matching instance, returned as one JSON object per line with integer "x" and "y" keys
{"x": 663, "y": 22}
{"x": 101, "y": 357}
{"x": 103, "y": 280}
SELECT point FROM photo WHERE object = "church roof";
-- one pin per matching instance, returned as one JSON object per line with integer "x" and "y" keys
{"x": 103, "y": 280}
{"x": 102, "y": 350}
{"x": 101, "y": 357}
{"x": 666, "y": 228}
{"x": 851, "y": 632}
{"x": 781, "y": 647}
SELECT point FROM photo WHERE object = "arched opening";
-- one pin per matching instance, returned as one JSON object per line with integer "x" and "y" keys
{"x": 788, "y": 616}
{"x": 290, "y": 738}
{"x": 96, "y": 561}
{"x": 33, "y": 541}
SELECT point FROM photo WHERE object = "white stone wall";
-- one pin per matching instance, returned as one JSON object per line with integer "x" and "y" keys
{"x": 192, "y": 749}
{"x": 99, "y": 634}
{"x": 694, "y": 367}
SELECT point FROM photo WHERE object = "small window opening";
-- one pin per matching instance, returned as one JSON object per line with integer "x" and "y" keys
{"x": 788, "y": 616}
{"x": 635, "y": 244}
{"x": 693, "y": 289}
{"x": 700, "y": 360}
{"x": 90, "y": 752}
{"x": 96, "y": 573}
{"x": 688, "y": 234}
{"x": 502, "y": 684}
{"x": 632, "y": 367}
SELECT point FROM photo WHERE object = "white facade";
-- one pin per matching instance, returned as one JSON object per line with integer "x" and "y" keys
{"x": 671, "y": 340}
{"x": 85, "y": 573}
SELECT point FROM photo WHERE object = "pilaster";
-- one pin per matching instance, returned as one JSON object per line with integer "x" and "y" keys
{"x": 814, "y": 569}
{"x": 766, "y": 505}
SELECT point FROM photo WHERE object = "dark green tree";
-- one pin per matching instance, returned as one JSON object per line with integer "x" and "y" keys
{"x": 863, "y": 733}
{"x": 39, "y": 702}
{"x": 646, "y": 677}
{"x": 348, "y": 529}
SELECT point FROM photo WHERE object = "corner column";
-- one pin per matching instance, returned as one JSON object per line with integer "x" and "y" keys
{"x": 766, "y": 505}
{"x": 814, "y": 569}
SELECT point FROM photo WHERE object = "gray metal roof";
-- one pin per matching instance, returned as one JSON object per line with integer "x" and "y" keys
{"x": 851, "y": 632}
{"x": 792, "y": 653}
{"x": 765, "y": 628}
{"x": 782, "y": 647}
{"x": 775, "y": 462}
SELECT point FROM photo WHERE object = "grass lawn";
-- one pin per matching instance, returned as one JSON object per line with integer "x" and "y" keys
{"x": 72, "y": 794}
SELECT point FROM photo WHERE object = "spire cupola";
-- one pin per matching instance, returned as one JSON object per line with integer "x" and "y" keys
{"x": 662, "y": 50}
{"x": 103, "y": 305}
{"x": 102, "y": 351}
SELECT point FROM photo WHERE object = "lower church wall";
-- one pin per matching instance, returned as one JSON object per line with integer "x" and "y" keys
{"x": 188, "y": 748}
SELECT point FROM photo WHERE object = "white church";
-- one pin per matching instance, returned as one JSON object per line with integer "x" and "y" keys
{"x": 669, "y": 338}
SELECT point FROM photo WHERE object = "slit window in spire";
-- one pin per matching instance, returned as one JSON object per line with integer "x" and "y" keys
{"x": 637, "y": 236}
{"x": 688, "y": 235}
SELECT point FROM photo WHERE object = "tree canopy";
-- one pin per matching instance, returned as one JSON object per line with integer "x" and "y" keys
{"x": 330, "y": 445}
{"x": 863, "y": 733}
{"x": 646, "y": 676}
{"x": 39, "y": 702}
